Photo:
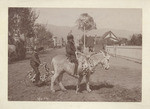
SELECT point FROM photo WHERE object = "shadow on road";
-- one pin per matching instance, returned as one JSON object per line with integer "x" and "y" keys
{"x": 92, "y": 86}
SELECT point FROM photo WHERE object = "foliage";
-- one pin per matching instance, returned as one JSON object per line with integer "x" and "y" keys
{"x": 110, "y": 42}
{"x": 43, "y": 35}
{"x": 89, "y": 41}
{"x": 21, "y": 23}
{"x": 86, "y": 21}
{"x": 122, "y": 41}
{"x": 136, "y": 39}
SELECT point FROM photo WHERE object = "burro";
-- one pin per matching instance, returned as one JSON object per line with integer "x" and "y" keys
{"x": 87, "y": 64}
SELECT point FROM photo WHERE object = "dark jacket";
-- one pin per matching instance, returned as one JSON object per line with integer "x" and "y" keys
{"x": 35, "y": 61}
{"x": 70, "y": 48}
{"x": 70, "y": 51}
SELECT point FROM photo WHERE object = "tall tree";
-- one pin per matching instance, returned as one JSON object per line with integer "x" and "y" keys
{"x": 42, "y": 35}
{"x": 21, "y": 21}
{"x": 21, "y": 24}
{"x": 85, "y": 23}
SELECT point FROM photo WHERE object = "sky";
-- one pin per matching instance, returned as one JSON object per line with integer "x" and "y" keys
{"x": 122, "y": 19}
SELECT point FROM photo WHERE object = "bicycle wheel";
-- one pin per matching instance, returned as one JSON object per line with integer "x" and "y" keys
{"x": 29, "y": 78}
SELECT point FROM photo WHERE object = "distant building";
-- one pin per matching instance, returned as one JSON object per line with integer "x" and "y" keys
{"x": 55, "y": 41}
{"x": 58, "y": 42}
{"x": 108, "y": 38}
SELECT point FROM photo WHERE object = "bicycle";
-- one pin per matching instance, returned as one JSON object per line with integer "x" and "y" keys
{"x": 30, "y": 77}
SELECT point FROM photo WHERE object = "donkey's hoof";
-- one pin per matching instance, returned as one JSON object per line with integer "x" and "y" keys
{"x": 89, "y": 90}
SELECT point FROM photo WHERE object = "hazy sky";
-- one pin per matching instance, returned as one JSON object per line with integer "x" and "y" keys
{"x": 123, "y": 19}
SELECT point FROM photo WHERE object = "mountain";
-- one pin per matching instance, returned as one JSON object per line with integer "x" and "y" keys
{"x": 62, "y": 31}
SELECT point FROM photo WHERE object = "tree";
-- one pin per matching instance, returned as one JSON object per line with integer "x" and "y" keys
{"x": 85, "y": 23}
{"x": 139, "y": 39}
{"x": 21, "y": 21}
{"x": 42, "y": 35}
{"x": 136, "y": 39}
{"x": 123, "y": 41}
{"x": 21, "y": 24}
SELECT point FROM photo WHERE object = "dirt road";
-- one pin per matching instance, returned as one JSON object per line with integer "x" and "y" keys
{"x": 122, "y": 82}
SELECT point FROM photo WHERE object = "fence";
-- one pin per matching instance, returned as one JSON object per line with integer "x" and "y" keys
{"x": 129, "y": 52}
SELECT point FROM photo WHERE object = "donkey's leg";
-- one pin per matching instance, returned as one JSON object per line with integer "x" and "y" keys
{"x": 60, "y": 82}
{"x": 53, "y": 78}
{"x": 78, "y": 84}
{"x": 87, "y": 82}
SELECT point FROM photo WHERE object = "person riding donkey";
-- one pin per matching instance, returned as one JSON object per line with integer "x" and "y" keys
{"x": 70, "y": 52}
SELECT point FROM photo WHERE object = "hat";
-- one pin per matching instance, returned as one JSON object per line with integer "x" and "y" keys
{"x": 70, "y": 37}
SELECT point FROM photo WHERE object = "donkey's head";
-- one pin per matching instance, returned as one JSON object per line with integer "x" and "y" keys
{"x": 97, "y": 58}
{"x": 105, "y": 61}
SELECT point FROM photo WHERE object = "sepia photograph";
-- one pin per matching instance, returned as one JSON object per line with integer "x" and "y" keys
{"x": 75, "y": 54}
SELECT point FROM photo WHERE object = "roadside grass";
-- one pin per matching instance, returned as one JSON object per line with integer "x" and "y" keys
{"x": 118, "y": 93}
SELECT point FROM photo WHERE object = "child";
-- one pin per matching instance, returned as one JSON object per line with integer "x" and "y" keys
{"x": 70, "y": 52}
{"x": 35, "y": 62}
